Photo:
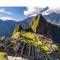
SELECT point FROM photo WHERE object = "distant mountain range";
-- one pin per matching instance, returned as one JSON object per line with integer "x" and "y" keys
{"x": 7, "y": 27}
{"x": 53, "y": 18}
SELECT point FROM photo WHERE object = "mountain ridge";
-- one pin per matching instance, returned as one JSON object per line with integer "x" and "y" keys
{"x": 45, "y": 28}
{"x": 53, "y": 18}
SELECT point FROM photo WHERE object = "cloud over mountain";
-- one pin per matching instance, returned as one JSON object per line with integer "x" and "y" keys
{"x": 4, "y": 18}
{"x": 33, "y": 11}
{"x": 30, "y": 11}
{"x": 4, "y": 11}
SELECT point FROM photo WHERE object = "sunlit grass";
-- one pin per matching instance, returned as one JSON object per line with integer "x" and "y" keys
{"x": 2, "y": 55}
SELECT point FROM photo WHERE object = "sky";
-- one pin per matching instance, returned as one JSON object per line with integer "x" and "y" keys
{"x": 12, "y": 13}
{"x": 18, "y": 13}
{"x": 17, "y": 10}
{"x": 37, "y": 3}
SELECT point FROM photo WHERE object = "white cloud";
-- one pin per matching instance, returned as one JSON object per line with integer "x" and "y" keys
{"x": 6, "y": 18}
{"x": 29, "y": 11}
{"x": 56, "y": 10}
{"x": 51, "y": 10}
{"x": 4, "y": 11}
{"x": 32, "y": 11}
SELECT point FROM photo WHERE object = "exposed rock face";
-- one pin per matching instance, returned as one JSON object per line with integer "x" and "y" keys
{"x": 41, "y": 25}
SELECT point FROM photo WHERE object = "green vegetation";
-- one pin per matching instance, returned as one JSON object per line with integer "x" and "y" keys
{"x": 58, "y": 50}
{"x": 34, "y": 23}
{"x": 3, "y": 56}
{"x": 44, "y": 48}
{"x": 16, "y": 28}
{"x": 31, "y": 38}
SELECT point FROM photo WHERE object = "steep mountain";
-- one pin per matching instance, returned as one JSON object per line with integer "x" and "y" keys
{"x": 38, "y": 24}
{"x": 54, "y": 22}
{"x": 26, "y": 22}
{"x": 41, "y": 26}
